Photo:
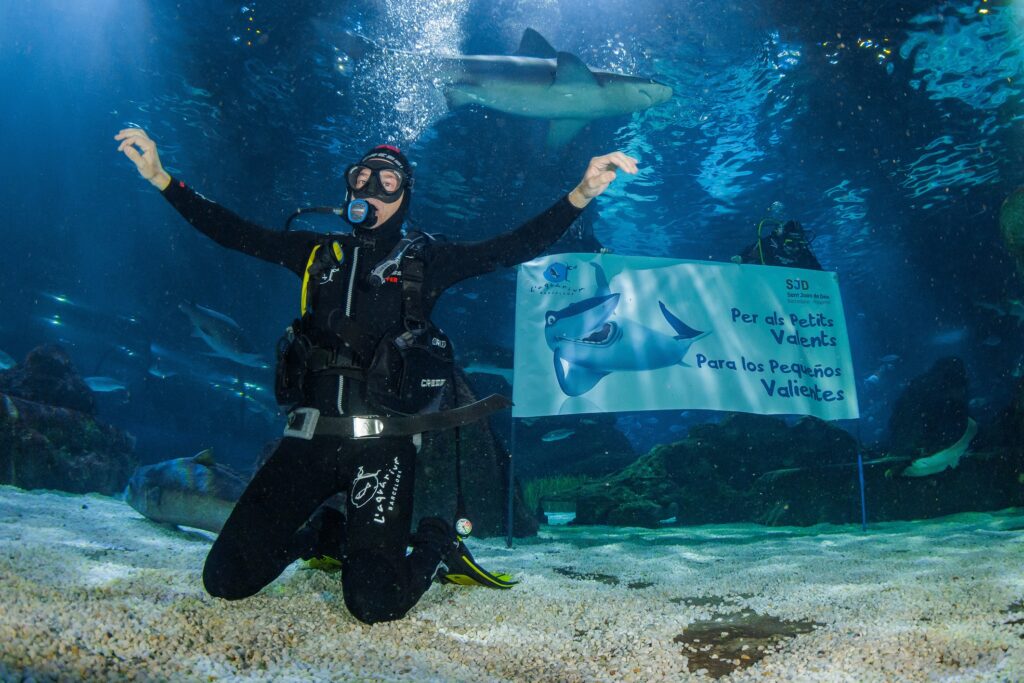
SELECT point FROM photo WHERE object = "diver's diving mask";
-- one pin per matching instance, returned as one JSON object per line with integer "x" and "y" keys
{"x": 383, "y": 182}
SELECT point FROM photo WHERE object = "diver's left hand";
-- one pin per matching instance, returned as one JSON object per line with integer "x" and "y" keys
{"x": 599, "y": 175}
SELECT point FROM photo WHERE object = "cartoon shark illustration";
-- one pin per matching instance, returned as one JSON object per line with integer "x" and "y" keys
{"x": 588, "y": 343}
{"x": 946, "y": 458}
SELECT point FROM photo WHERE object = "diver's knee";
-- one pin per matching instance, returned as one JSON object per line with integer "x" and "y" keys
{"x": 369, "y": 613}
{"x": 371, "y": 595}
{"x": 221, "y": 579}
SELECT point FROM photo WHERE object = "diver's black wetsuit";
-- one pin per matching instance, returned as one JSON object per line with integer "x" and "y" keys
{"x": 261, "y": 536}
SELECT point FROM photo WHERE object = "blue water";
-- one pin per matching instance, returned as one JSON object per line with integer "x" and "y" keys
{"x": 890, "y": 132}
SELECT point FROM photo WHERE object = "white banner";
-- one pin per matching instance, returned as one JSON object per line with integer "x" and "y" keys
{"x": 599, "y": 333}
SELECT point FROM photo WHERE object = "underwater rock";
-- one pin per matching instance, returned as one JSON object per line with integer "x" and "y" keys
{"x": 728, "y": 642}
{"x": 714, "y": 476}
{"x": 52, "y": 447}
{"x": 47, "y": 376}
{"x": 756, "y": 469}
{"x": 931, "y": 413}
{"x": 588, "y": 445}
{"x": 49, "y": 438}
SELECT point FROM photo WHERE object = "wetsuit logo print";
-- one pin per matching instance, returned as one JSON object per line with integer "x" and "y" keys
{"x": 364, "y": 487}
{"x": 386, "y": 501}
{"x": 329, "y": 277}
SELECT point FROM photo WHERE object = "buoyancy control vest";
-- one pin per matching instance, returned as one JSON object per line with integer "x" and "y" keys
{"x": 411, "y": 367}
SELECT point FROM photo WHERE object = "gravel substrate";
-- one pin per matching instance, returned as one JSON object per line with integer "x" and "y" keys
{"x": 91, "y": 591}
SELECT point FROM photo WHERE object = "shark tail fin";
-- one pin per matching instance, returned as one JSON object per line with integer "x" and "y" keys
{"x": 683, "y": 331}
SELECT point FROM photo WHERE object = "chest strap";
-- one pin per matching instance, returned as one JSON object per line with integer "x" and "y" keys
{"x": 305, "y": 423}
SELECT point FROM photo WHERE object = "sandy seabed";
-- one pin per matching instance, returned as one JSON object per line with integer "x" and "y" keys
{"x": 91, "y": 591}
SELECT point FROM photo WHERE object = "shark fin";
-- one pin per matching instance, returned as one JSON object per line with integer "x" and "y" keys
{"x": 572, "y": 71}
{"x": 533, "y": 44}
{"x": 562, "y": 131}
{"x": 573, "y": 379}
{"x": 204, "y": 457}
{"x": 602, "y": 280}
{"x": 683, "y": 331}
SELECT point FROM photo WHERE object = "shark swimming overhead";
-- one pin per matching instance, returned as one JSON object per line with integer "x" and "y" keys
{"x": 541, "y": 82}
{"x": 589, "y": 342}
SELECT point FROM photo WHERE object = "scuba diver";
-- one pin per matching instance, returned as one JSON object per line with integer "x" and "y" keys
{"x": 780, "y": 243}
{"x": 362, "y": 372}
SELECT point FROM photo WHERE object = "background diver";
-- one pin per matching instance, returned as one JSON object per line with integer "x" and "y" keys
{"x": 363, "y": 335}
{"x": 780, "y": 243}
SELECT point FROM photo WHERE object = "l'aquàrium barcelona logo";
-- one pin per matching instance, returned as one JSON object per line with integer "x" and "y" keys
{"x": 557, "y": 273}
{"x": 558, "y": 279}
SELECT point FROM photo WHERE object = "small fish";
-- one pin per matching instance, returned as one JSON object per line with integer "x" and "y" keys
{"x": 950, "y": 337}
{"x": 872, "y": 380}
{"x": 195, "y": 492}
{"x": 993, "y": 340}
{"x": 159, "y": 372}
{"x": 6, "y": 362}
{"x": 557, "y": 435}
{"x": 105, "y": 385}
{"x": 890, "y": 358}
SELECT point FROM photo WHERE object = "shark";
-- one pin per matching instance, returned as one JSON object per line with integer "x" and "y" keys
{"x": 589, "y": 343}
{"x": 947, "y": 458}
{"x": 195, "y": 492}
{"x": 538, "y": 81}
{"x": 222, "y": 334}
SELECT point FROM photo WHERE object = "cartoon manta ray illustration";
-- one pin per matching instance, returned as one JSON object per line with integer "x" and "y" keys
{"x": 588, "y": 344}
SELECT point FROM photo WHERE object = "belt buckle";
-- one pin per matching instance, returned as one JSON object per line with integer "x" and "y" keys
{"x": 305, "y": 429}
{"x": 369, "y": 427}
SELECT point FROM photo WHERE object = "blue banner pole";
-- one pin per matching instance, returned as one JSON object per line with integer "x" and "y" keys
{"x": 511, "y": 484}
{"x": 863, "y": 504}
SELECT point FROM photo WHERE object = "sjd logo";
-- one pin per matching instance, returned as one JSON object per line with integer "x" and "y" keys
{"x": 797, "y": 284}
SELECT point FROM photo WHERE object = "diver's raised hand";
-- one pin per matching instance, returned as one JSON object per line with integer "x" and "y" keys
{"x": 599, "y": 175}
{"x": 138, "y": 147}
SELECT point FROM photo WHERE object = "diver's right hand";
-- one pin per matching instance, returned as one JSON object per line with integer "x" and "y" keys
{"x": 138, "y": 147}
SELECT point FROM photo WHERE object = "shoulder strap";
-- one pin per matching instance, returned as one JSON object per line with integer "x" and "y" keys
{"x": 412, "y": 279}
{"x": 336, "y": 254}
